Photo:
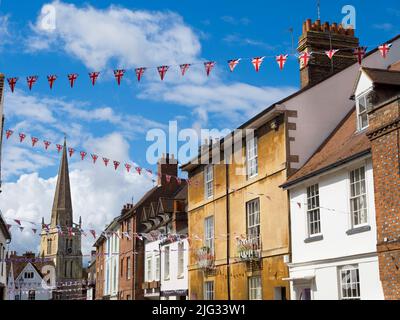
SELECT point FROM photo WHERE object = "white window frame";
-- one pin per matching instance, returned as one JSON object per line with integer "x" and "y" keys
{"x": 128, "y": 268}
{"x": 253, "y": 215}
{"x": 360, "y": 114}
{"x": 209, "y": 181}
{"x": 255, "y": 288}
{"x": 167, "y": 263}
{"x": 209, "y": 290}
{"x": 149, "y": 263}
{"x": 209, "y": 233}
{"x": 157, "y": 275}
{"x": 252, "y": 157}
{"x": 313, "y": 211}
{"x": 352, "y": 274}
{"x": 355, "y": 197}
{"x": 181, "y": 259}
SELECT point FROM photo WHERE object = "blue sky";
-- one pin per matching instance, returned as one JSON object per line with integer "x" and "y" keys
{"x": 113, "y": 121}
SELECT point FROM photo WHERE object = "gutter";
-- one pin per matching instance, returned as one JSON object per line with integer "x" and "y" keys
{"x": 335, "y": 165}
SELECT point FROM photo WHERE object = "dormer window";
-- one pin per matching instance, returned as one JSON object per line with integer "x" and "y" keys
{"x": 362, "y": 108}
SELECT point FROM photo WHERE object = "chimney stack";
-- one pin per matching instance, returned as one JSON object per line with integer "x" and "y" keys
{"x": 319, "y": 38}
{"x": 167, "y": 165}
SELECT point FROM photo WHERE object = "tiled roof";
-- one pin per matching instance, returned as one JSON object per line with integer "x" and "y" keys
{"x": 382, "y": 76}
{"x": 344, "y": 144}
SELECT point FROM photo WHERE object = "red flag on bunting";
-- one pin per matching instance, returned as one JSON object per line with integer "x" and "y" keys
{"x": 21, "y": 228}
{"x": 119, "y": 74}
{"x": 116, "y": 165}
{"x": 59, "y": 148}
{"x": 70, "y": 233}
{"x": 138, "y": 170}
{"x": 128, "y": 167}
{"x": 184, "y": 67}
{"x": 385, "y": 49}
{"x": 31, "y": 81}
{"x": 257, "y": 62}
{"x": 233, "y": 64}
{"x": 34, "y": 141}
{"x": 139, "y": 73}
{"x": 93, "y": 76}
{"x": 9, "y": 226}
{"x": 93, "y": 232}
{"x": 22, "y": 137}
{"x": 12, "y": 83}
{"x": 17, "y": 221}
{"x": 71, "y": 151}
{"x": 281, "y": 60}
{"x": 162, "y": 70}
{"x": 168, "y": 178}
{"x": 179, "y": 180}
{"x": 331, "y": 53}
{"x": 106, "y": 161}
{"x": 305, "y": 58}
{"x": 83, "y": 155}
{"x": 46, "y": 144}
{"x": 149, "y": 171}
{"x": 209, "y": 66}
{"x": 51, "y": 79}
{"x": 94, "y": 157}
{"x": 72, "y": 78}
{"x": 9, "y": 134}
{"x": 360, "y": 54}
{"x": 34, "y": 231}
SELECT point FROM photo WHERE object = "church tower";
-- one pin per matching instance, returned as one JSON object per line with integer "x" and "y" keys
{"x": 61, "y": 239}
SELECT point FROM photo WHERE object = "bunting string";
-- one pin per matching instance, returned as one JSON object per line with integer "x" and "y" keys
{"x": 281, "y": 59}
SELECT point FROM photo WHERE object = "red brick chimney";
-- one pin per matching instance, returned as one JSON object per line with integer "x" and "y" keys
{"x": 167, "y": 165}
{"x": 319, "y": 38}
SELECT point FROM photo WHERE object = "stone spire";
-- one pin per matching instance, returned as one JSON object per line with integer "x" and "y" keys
{"x": 61, "y": 213}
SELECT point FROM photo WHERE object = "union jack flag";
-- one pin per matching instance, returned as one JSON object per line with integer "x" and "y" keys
{"x": 72, "y": 78}
{"x": 51, "y": 79}
{"x": 47, "y": 144}
{"x": 12, "y": 83}
{"x": 305, "y": 58}
{"x": 34, "y": 141}
{"x": 116, "y": 165}
{"x": 257, "y": 62}
{"x": 22, "y": 137}
{"x": 209, "y": 66}
{"x": 9, "y": 134}
{"x": 281, "y": 60}
{"x": 94, "y": 157}
{"x": 233, "y": 64}
{"x": 360, "y": 53}
{"x": 93, "y": 76}
{"x": 119, "y": 75}
{"x": 184, "y": 67}
{"x": 31, "y": 81}
{"x": 128, "y": 167}
{"x": 106, "y": 161}
{"x": 331, "y": 53}
{"x": 162, "y": 70}
{"x": 59, "y": 147}
{"x": 83, "y": 155}
{"x": 71, "y": 151}
{"x": 385, "y": 49}
{"x": 139, "y": 73}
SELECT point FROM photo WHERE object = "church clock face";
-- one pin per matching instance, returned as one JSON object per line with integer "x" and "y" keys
{"x": 69, "y": 250}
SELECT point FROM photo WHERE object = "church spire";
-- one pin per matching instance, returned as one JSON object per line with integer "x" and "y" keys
{"x": 61, "y": 214}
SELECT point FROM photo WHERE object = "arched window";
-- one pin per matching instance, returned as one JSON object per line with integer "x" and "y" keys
{"x": 65, "y": 268}
{"x": 49, "y": 249}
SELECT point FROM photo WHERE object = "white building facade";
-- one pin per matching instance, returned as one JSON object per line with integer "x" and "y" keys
{"x": 152, "y": 270}
{"x": 111, "y": 261}
{"x": 28, "y": 285}
{"x": 334, "y": 236}
{"x": 174, "y": 270}
{"x": 5, "y": 238}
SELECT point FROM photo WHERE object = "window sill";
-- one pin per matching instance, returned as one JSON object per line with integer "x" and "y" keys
{"x": 358, "y": 230}
{"x": 314, "y": 239}
{"x": 181, "y": 277}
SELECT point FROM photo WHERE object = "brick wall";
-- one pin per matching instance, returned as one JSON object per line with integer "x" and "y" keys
{"x": 384, "y": 133}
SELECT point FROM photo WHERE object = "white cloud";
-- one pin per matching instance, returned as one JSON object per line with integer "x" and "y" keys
{"x": 131, "y": 38}
{"x": 236, "y": 102}
{"x": 384, "y": 26}
{"x": 237, "y": 39}
{"x": 5, "y": 35}
{"x": 97, "y": 194}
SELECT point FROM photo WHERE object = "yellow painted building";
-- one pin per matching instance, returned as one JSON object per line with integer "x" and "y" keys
{"x": 239, "y": 207}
